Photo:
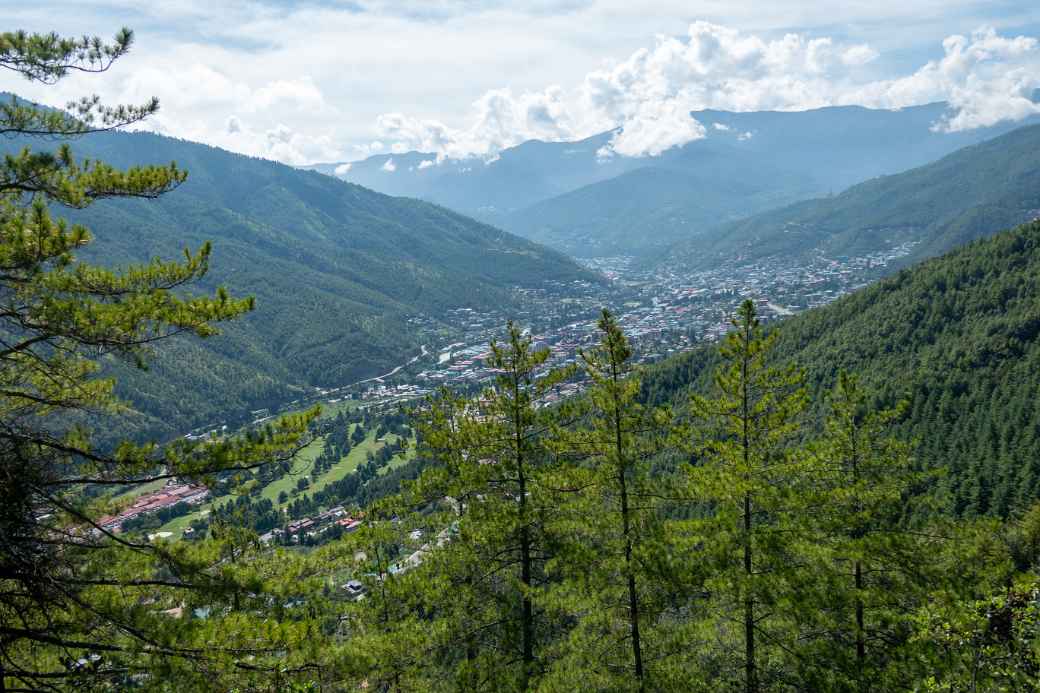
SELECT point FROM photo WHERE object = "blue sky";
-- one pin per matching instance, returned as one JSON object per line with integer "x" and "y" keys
{"x": 332, "y": 80}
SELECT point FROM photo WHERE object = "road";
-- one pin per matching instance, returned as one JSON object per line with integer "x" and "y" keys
{"x": 379, "y": 378}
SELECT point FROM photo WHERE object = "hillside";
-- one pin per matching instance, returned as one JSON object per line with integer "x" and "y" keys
{"x": 965, "y": 195}
{"x": 568, "y": 195}
{"x": 648, "y": 209}
{"x": 959, "y": 337}
{"x": 337, "y": 270}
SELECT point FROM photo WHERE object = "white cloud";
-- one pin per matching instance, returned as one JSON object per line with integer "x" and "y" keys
{"x": 498, "y": 119}
{"x": 987, "y": 78}
{"x": 426, "y": 163}
{"x": 389, "y": 166}
{"x": 468, "y": 77}
{"x": 298, "y": 94}
{"x": 342, "y": 169}
{"x": 721, "y": 126}
{"x": 648, "y": 97}
{"x": 655, "y": 128}
{"x": 859, "y": 55}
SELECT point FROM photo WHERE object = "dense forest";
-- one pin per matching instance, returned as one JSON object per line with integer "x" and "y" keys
{"x": 956, "y": 337}
{"x": 762, "y": 534}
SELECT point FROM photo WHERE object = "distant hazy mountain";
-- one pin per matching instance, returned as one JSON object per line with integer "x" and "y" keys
{"x": 567, "y": 195}
{"x": 520, "y": 176}
{"x": 968, "y": 194}
{"x": 336, "y": 270}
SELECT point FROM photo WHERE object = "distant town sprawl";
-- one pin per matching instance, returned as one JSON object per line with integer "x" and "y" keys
{"x": 663, "y": 310}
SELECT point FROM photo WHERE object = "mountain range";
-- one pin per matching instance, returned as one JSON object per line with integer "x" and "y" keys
{"x": 970, "y": 193}
{"x": 573, "y": 197}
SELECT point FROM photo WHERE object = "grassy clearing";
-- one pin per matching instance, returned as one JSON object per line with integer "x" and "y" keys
{"x": 137, "y": 491}
{"x": 301, "y": 469}
{"x": 329, "y": 411}
{"x": 400, "y": 460}
{"x": 177, "y": 525}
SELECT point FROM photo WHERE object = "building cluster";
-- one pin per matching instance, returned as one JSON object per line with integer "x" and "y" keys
{"x": 663, "y": 310}
{"x": 314, "y": 527}
{"x": 170, "y": 495}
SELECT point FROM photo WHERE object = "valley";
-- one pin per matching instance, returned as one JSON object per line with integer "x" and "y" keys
{"x": 713, "y": 369}
{"x": 665, "y": 310}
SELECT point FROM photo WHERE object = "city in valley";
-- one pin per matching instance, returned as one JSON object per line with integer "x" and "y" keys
{"x": 663, "y": 311}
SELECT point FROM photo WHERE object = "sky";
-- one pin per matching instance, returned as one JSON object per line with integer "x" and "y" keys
{"x": 337, "y": 80}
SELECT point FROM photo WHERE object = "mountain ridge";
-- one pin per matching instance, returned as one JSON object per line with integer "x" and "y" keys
{"x": 967, "y": 194}
{"x": 337, "y": 271}
{"x": 538, "y": 189}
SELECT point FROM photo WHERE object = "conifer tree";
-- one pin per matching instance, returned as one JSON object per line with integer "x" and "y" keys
{"x": 609, "y": 520}
{"x": 512, "y": 450}
{"x": 71, "y": 590}
{"x": 747, "y": 475}
{"x": 478, "y": 582}
{"x": 871, "y": 569}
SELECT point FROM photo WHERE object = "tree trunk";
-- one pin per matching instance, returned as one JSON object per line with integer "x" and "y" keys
{"x": 750, "y": 671}
{"x": 633, "y": 598}
{"x": 861, "y": 649}
{"x": 527, "y": 609}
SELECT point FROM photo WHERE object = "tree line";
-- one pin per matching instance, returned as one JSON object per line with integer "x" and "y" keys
{"x": 607, "y": 544}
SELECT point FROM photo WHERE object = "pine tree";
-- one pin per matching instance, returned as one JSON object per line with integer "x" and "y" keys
{"x": 69, "y": 587}
{"x": 870, "y": 570}
{"x": 747, "y": 476}
{"x": 513, "y": 451}
{"x": 478, "y": 583}
{"x": 609, "y": 520}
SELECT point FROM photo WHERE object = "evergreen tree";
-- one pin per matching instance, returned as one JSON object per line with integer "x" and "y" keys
{"x": 747, "y": 475}
{"x": 870, "y": 570}
{"x": 609, "y": 520}
{"x": 72, "y": 590}
{"x": 476, "y": 585}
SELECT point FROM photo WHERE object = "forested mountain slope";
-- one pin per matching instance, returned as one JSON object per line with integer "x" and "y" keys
{"x": 336, "y": 270}
{"x": 959, "y": 337}
{"x": 988, "y": 186}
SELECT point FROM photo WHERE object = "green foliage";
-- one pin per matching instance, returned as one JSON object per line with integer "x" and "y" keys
{"x": 608, "y": 526}
{"x": 956, "y": 337}
{"x": 339, "y": 273}
{"x": 80, "y": 605}
{"x": 782, "y": 554}
{"x": 751, "y": 477}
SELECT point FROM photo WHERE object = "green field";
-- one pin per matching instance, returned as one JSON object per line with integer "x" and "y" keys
{"x": 408, "y": 456}
{"x": 302, "y": 466}
{"x": 135, "y": 491}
